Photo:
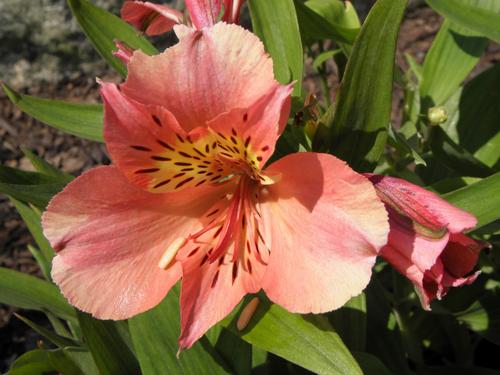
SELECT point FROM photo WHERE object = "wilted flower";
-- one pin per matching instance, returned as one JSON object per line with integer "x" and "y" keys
{"x": 190, "y": 133}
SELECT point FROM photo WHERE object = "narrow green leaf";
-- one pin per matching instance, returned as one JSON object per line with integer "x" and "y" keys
{"x": 483, "y": 20}
{"x": 350, "y": 322}
{"x": 53, "y": 337}
{"x": 370, "y": 364}
{"x": 31, "y": 187}
{"x": 103, "y": 28}
{"x": 46, "y": 168}
{"x": 483, "y": 317}
{"x": 41, "y": 261}
{"x": 32, "y": 219}
{"x": 32, "y": 293}
{"x": 455, "y": 156}
{"x": 478, "y": 125}
{"x": 111, "y": 353}
{"x": 365, "y": 98}
{"x": 42, "y": 361}
{"x": 452, "y": 56}
{"x": 155, "y": 333}
{"x": 275, "y": 22}
{"x": 308, "y": 341}
{"x": 236, "y": 352}
{"x": 480, "y": 199}
{"x": 82, "y": 120}
{"x": 315, "y": 26}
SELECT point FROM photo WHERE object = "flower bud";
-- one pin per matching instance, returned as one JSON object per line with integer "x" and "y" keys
{"x": 437, "y": 115}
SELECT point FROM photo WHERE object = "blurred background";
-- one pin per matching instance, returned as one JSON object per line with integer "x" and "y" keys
{"x": 44, "y": 53}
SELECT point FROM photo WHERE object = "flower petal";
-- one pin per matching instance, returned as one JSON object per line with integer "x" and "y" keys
{"x": 110, "y": 236}
{"x": 207, "y": 73}
{"x": 257, "y": 128}
{"x": 152, "y": 150}
{"x": 421, "y": 205}
{"x": 324, "y": 225}
{"x": 204, "y": 13}
{"x": 153, "y": 19}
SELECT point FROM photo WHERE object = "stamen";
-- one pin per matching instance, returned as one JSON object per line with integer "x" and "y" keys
{"x": 247, "y": 314}
{"x": 171, "y": 252}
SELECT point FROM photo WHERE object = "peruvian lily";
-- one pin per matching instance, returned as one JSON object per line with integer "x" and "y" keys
{"x": 155, "y": 19}
{"x": 189, "y": 133}
{"x": 426, "y": 241}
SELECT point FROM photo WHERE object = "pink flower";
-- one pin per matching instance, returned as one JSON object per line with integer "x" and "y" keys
{"x": 426, "y": 241}
{"x": 189, "y": 133}
{"x": 154, "y": 19}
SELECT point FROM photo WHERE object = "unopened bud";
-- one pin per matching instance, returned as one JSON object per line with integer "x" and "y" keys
{"x": 437, "y": 115}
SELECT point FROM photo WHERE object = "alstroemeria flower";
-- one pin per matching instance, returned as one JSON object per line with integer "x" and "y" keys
{"x": 189, "y": 133}
{"x": 155, "y": 19}
{"x": 426, "y": 240}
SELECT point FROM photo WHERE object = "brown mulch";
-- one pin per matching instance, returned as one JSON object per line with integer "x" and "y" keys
{"x": 75, "y": 155}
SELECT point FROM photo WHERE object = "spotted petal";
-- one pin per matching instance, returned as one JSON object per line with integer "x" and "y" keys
{"x": 152, "y": 150}
{"x": 324, "y": 225}
{"x": 209, "y": 72}
{"x": 110, "y": 237}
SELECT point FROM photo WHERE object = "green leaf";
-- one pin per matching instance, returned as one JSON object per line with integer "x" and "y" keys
{"x": 103, "y": 28}
{"x": 350, "y": 322}
{"x": 155, "y": 333}
{"x": 43, "y": 167}
{"x": 315, "y": 26}
{"x": 483, "y": 20}
{"x": 32, "y": 220}
{"x": 236, "y": 352}
{"x": 455, "y": 156}
{"x": 32, "y": 293}
{"x": 110, "y": 351}
{"x": 31, "y": 187}
{"x": 41, "y": 261}
{"x": 73, "y": 361}
{"x": 308, "y": 341}
{"x": 82, "y": 120}
{"x": 483, "y": 317}
{"x": 478, "y": 124}
{"x": 275, "y": 22}
{"x": 480, "y": 199}
{"x": 365, "y": 97}
{"x": 452, "y": 56}
{"x": 53, "y": 337}
{"x": 370, "y": 364}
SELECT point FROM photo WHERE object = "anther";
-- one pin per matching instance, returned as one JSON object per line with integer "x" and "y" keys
{"x": 171, "y": 252}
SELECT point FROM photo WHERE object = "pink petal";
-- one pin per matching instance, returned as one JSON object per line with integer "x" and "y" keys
{"x": 210, "y": 291}
{"x": 324, "y": 225}
{"x": 110, "y": 237}
{"x": 232, "y": 12}
{"x": 422, "y": 206}
{"x": 153, "y": 19}
{"x": 461, "y": 255}
{"x": 124, "y": 52}
{"x": 215, "y": 281}
{"x": 431, "y": 264}
{"x": 152, "y": 150}
{"x": 259, "y": 126}
{"x": 209, "y": 72}
{"x": 204, "y": 13}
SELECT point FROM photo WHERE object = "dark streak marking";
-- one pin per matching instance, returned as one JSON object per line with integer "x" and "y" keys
{"x": 160, "y": 158}
{"x": 182, "y": 164}
{"x": 162, "y": 183}
{"x": 184, "y": 182}
{"x": 141, "y": 148}
{"x": 214, "y": 281}
{"x": 166, "y": 145}
{"x": 149, "y": 170}
{"x": 157, "y": 120}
